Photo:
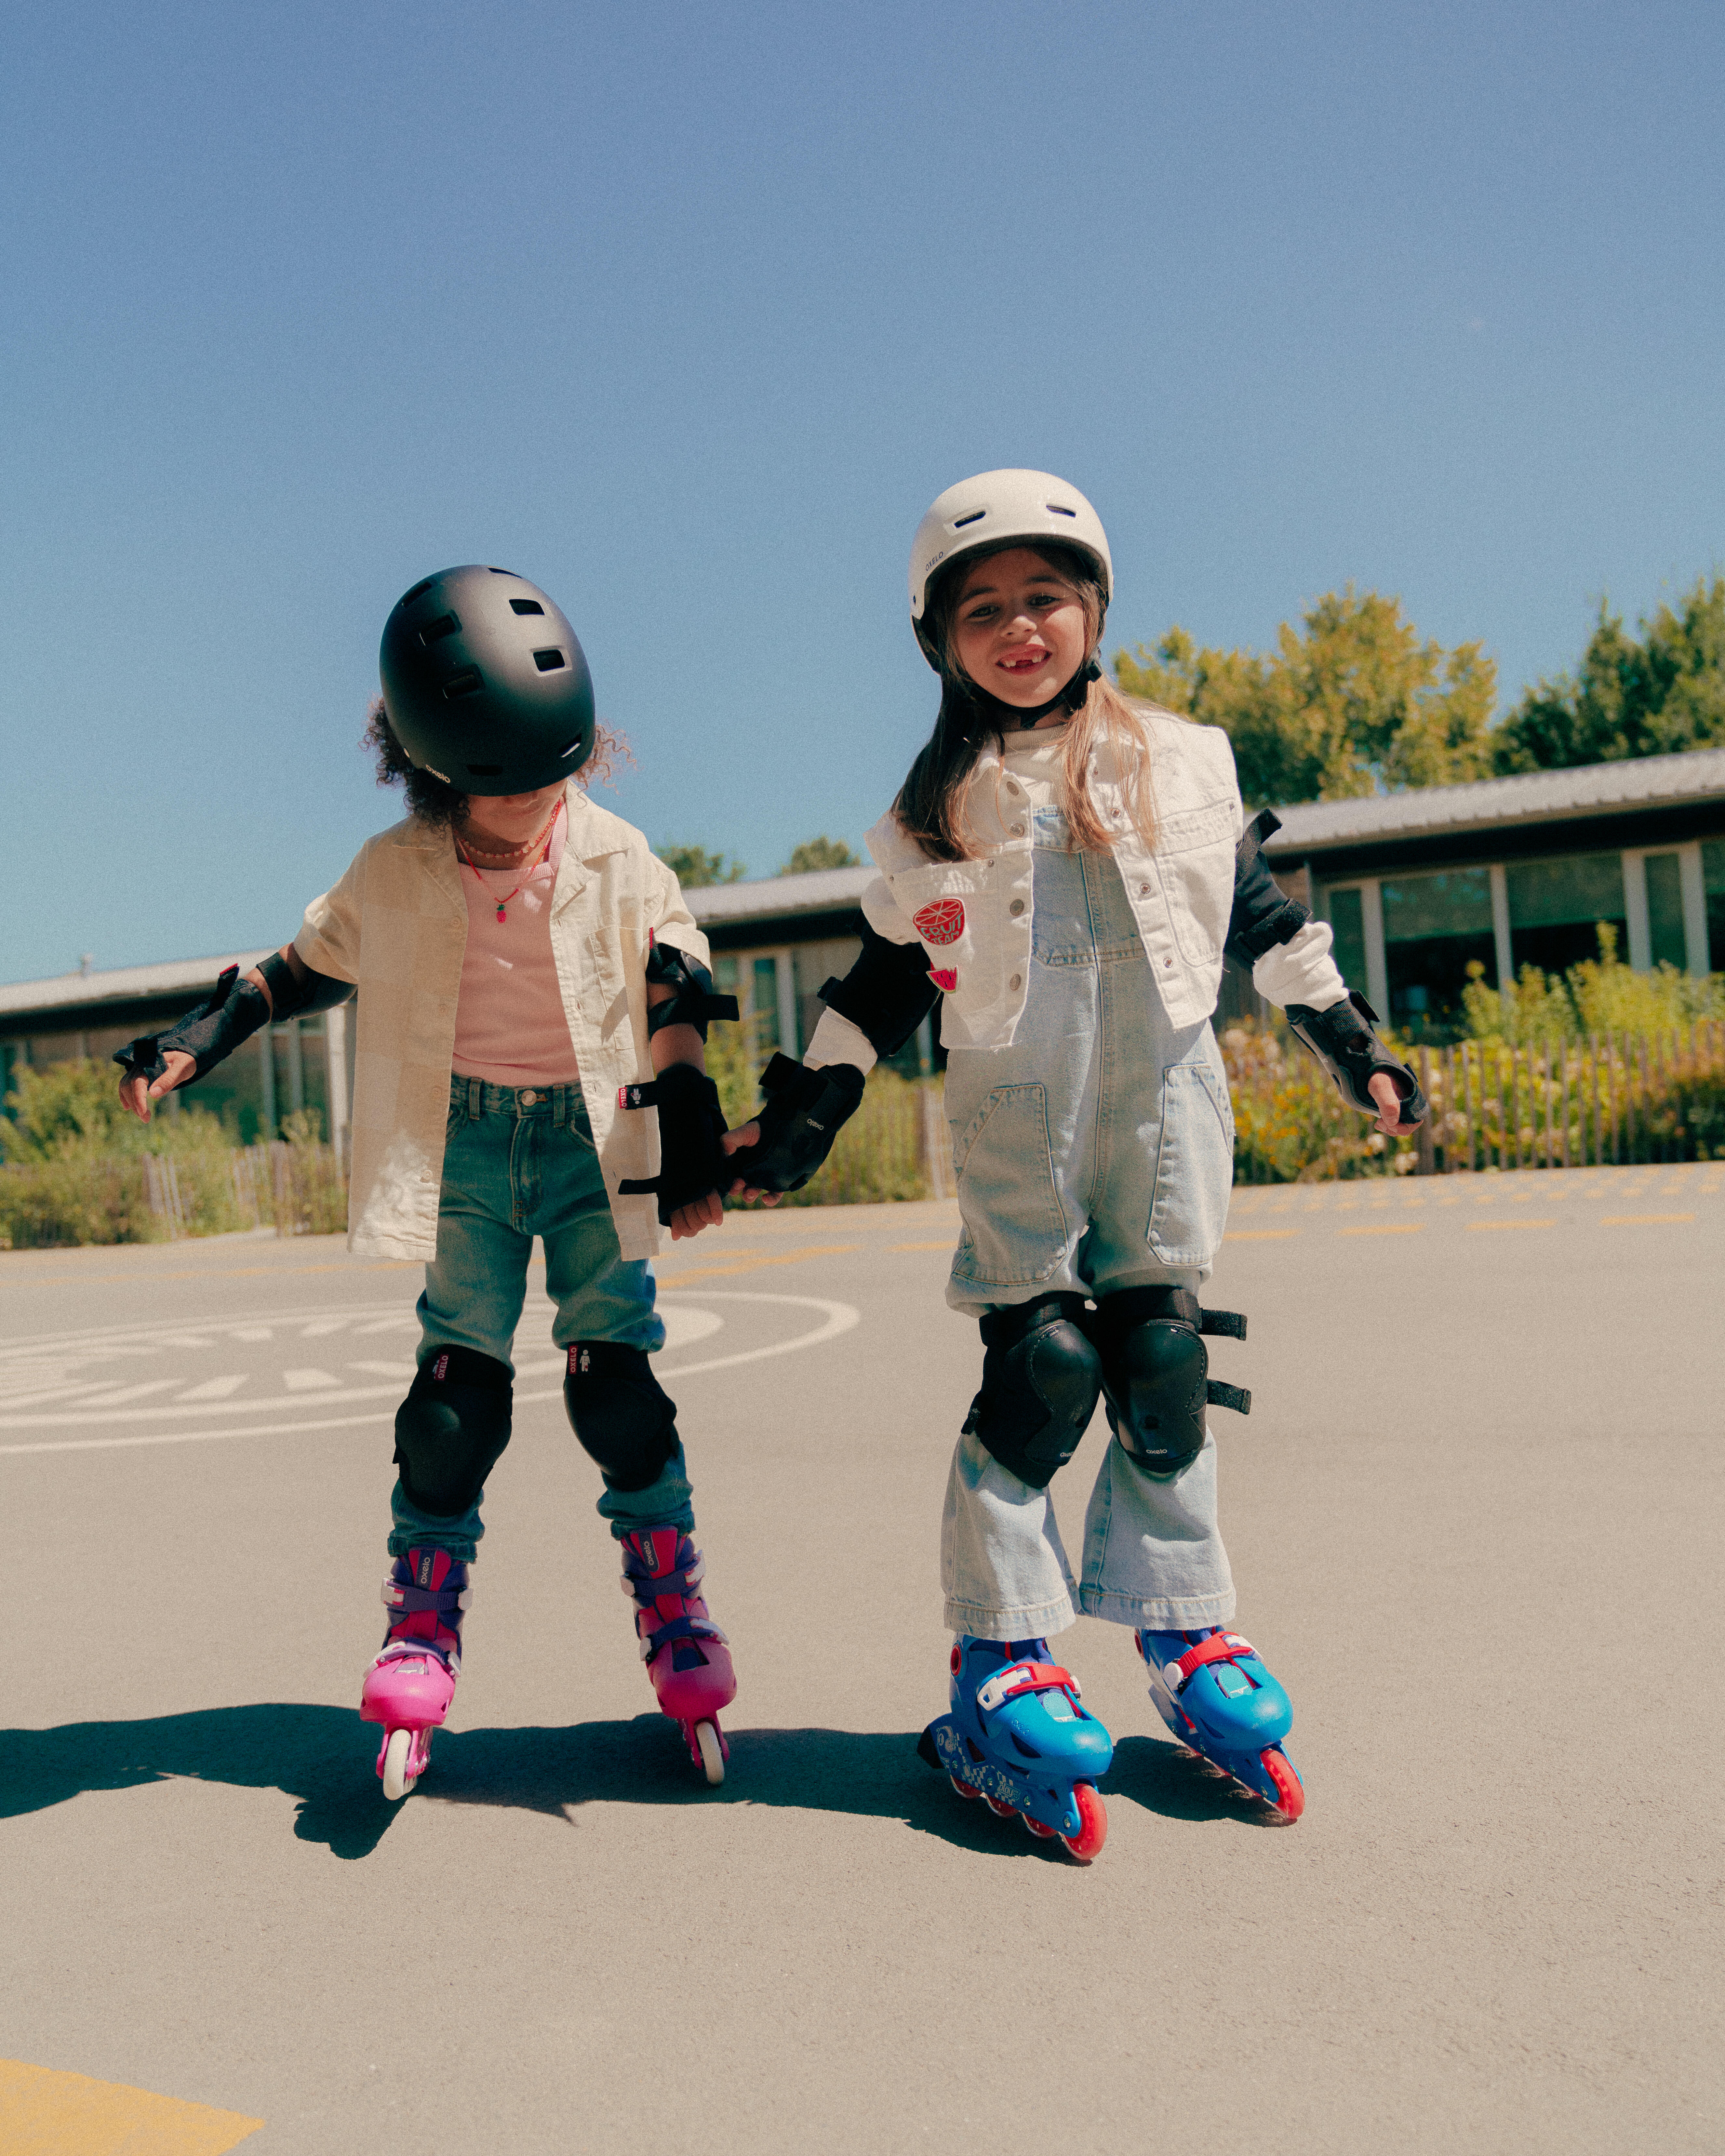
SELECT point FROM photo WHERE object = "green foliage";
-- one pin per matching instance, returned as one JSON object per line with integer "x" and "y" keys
{"x": 821, "y": 853}
{"x": 66, "y": 1104}
{"x": 1650, "y": 695}
{"x": 1290, "y": 1124}
{"x": 695, "y": 868}
{"x": 1353, "y": 702}
{"x": 1599, "y": 995}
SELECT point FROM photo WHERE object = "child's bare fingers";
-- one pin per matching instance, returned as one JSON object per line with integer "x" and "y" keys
{"x": 748, "y": 1134}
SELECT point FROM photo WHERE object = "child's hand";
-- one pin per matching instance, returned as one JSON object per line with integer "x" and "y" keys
{"x": 1382, "y": 1089}
{"x": 136, "y": 1094}
{"x": 734, "y": 1141}
{"x": 699, "y": 1213}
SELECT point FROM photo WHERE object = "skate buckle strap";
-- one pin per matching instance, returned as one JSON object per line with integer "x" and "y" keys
{"x": 647, "y": 1586}
{"x": 407, "y": 1600}
{"x": 1018, "y": 1678}
{"x": 1219, "y": 1647}
{"x": 678, "y": 1628}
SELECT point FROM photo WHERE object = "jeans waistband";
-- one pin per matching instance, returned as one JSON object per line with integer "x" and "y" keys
{"x": 479, "y": 1096}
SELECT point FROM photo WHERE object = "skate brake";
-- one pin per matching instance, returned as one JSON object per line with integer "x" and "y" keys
{"x": 1021, "y": 1677}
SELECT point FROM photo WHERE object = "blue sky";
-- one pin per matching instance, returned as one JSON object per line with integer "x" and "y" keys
{"x": 687, "y": 313}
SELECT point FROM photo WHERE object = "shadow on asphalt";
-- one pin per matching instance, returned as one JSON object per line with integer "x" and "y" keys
{"x": 323, "y": 1756}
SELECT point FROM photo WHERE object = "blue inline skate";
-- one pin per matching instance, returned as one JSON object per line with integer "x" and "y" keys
{"x": 1214, "y": 1693}
{"x": 1016, "y": 1736}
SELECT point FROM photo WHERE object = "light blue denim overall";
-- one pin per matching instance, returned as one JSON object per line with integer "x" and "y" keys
{"x": 1095, "y": 1153}
{"x": 520, "y": 1162}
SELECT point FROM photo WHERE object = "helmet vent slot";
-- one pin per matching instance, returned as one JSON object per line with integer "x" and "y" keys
{"x": 419, "y": 591}
{"x": 467, "y": 683}
{"x": 548, "y": 662}
{"x": 527, "y": 606}
{"x": 570, "y": 750}
{"x": 975, "y": 517}
{"x": 433, "y": 632}
{"x": 496, "y": 571}
{"x": 1055, "y": 508}
{"x": 485, "y": 771}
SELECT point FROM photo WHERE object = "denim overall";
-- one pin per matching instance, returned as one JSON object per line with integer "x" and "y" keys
{"x": 1095, "y": 1154}
{"x": 520, "y": 1162}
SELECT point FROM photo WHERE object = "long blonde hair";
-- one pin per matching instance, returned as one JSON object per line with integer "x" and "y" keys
{"x": 932, "y": 803}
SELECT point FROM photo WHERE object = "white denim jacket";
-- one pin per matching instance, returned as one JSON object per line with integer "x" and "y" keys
{"x": 973, "y": 917}
{"x": 396, "y": 925}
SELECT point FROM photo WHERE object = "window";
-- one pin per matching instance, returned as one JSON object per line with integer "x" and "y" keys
{"x": 764, "y": 1005}
{"x": 1713, "y": 877}
{"x": 1667, "y": 944}
{"x": 1434, "y": 928}
{"x": 1348, "y": 922}
{"x": 1555, "y": 909}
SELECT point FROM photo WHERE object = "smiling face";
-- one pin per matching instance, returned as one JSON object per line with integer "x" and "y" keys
{"x": 1020, "y": 629}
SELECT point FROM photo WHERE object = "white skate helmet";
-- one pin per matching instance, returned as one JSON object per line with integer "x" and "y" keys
{"x": 997, "y": 506}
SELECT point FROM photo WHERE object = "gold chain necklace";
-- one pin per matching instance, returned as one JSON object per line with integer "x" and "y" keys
{"x": 531, "y": 845}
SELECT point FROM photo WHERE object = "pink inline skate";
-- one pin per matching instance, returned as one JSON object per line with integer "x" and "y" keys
{"x": 409, "y": 1687}
{"x": 685, "y": 1651}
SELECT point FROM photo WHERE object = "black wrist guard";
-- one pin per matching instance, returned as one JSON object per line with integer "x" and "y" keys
{"x": 691, "y": 1161}
{"x": 233, "y": 1014}
{"x": 804, "y": 1112}
{"x": 691, "y": 1001}
{"x": 1342, "y": 1040}
{"x": 886, "y": 994}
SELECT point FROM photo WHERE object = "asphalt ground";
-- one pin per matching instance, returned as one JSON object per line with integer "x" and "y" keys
{"x": 1475, "y": 1520}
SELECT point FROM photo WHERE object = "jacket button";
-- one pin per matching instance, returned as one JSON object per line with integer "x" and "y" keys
{"x": 1014, "y": 789}
{"x": 1017, "y": 906}
{"x": 1018, "y": 830}
{"x": 1168, "y": 961}
{"x": 1017, "y": 981}
{"x": 1144, "y": 890}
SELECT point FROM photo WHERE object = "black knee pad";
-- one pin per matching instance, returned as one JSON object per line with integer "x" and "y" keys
{"x": 1156, "y": 1372}
{"x": 1040, "y": 1379}
{"x": 621, "y": 1414}
{"x": 451, "y": 1429}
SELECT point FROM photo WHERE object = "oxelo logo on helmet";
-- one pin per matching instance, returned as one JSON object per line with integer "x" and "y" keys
{"x": 485, "y": 682}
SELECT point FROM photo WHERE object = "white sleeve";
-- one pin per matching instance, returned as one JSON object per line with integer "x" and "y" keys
{"x": 881, "y": 910}
{"x": 837, "y": 1041}
{"x": 1301, "y": 971}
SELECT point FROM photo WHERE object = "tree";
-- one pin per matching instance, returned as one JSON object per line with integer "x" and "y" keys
{"x": 1650, "y": 697}
{"x": 821, "y": 853}
{"x": 1353, "y": 702}
{"x": 694, "y": 867}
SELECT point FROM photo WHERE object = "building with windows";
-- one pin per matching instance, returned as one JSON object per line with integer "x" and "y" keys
{"x": 1511, "y": 872}
{"x": 1418, "y": 886}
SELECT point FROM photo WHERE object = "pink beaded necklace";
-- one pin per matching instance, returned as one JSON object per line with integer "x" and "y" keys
{"x": 544, "y": 838}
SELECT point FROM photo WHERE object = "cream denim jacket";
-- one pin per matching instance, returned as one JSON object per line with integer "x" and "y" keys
{"x": 973, "y": 917}
{"x": 396, "y": 925}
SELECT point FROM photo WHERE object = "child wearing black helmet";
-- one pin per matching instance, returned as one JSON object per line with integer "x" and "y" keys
{"x": 1066, "y": 869}
{"x": 529, "y": 973}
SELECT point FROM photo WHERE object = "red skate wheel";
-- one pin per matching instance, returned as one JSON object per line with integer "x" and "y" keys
{"x": 999, "y": 1810}
{"x": 1291, "y": 1796}
{"x": 1093, "y": 1828}
{"x": 963, "y": 1788}
{"x": 1035, "y": 1826}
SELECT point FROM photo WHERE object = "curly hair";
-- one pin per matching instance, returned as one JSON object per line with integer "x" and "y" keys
{"x": 438, "y": 805}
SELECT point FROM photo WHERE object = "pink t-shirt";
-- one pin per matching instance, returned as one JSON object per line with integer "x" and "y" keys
{"x": 510, "y": 1026}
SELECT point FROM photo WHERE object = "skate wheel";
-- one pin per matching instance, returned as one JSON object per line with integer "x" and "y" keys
{"x": 1035, "y": 1826}
{"x": 963, "y": 1788}
{"x": 1290, "y": 1793}
{"x": 396, "y": 1780}
{"x": 999, "y": 1810}
{"x": 1093, "y": 1829}
{"x": 711, "y": 1758}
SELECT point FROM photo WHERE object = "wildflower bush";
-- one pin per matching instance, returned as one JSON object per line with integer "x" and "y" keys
{"x": 1290, "y": 1125}
{"x": 1600, "y": 995}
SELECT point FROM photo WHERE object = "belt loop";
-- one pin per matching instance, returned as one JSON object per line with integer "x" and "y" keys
{"x": 476, "y": 1097}
{"x": 559, "y": 1107}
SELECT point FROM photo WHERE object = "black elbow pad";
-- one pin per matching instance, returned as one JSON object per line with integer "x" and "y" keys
{"x": 289, "y": 998}
{"x": 886, "y": 994}
{"x": 1264, "y": 916}
{"x": 691, "y": 1001}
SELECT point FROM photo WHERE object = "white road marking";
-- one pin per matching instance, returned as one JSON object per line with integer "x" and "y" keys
{"x": 837, "y": 1319}
{"x": 320, "y": 1326}
{"x": 310, "y": 1381}
{"x": 108, "y": 1398}
{"x": 252, "y": 1332}
{"x": 387, "y": 1325}
{"x": 386, "y": 1369}
{"x": 213, "y": 1388}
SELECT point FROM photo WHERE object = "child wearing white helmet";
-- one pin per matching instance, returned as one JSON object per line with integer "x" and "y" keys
{"x": 528, "y": 973}
{"x": 1066, "y": 870}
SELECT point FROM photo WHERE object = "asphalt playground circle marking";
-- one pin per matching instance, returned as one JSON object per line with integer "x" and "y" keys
{"x": 45, "y": 1384}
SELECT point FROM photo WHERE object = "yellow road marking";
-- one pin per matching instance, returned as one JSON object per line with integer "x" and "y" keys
{"x": 46, "y": 2113}
{"x": 1263, "y": 1235}
{"x": 1645, "y": 1219}
{"x": 1403, "y": 1227}
{"x": 69, "y": 1278}
{"x": 1484, "y": 1227}
{"x": 754, "y": 1265}
{"x": 944, "y": 1243}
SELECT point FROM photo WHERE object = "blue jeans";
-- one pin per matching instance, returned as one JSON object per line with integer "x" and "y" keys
{"x": 1095, "y": 1153}
{"x": 520, "y": 1163}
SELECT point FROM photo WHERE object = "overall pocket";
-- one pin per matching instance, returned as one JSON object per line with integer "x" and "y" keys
{"x": 1194, "y": 1166}
{"x": 1014, "y": 1230}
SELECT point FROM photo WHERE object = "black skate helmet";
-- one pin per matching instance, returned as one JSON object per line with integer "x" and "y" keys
{"x": 486, "y": 684}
